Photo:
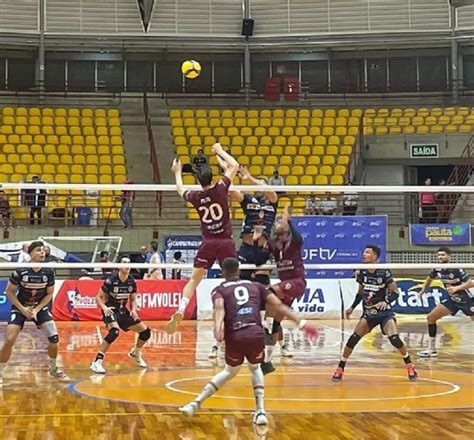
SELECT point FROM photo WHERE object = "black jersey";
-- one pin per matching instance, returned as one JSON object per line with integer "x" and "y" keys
{"x": 375, "y": 286}
{"x": 452, "y": 278}
{"x": 258, "y": 212}
{"x": 118, "y": 292}
{"x": 32, "y": 284}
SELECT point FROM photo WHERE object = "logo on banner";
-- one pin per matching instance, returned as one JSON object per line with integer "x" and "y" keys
{"x": 423, "y": 234}
{"x": 77, "y": 301}
{"x": 409, "y": 300}
{"x": 322, "y": 254}
{"x": 154, "y": 300}
{"x": 312, "y": 301}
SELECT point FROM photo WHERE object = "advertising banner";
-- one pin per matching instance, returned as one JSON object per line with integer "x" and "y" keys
{"x": 409, "y": 302}
{"x": 440, "y": 234}
{"x": 321, "y": 300}
{"x": 4, "y": 303}
{"x": 156, "y": 299}
{"x": 188, "y": 245}
{"x": 340, "y": 239}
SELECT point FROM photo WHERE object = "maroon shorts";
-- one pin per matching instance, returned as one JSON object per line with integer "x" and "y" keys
{"x": 292, "y": 288}
{"x": 213, "y": 249}
{"x": 246, "y": 343}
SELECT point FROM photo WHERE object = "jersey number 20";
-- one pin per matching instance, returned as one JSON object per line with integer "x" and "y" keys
{"x": 212, "y": 213}
{"x": 241, "y": 295}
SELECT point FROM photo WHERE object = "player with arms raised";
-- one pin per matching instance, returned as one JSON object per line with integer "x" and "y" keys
{"x": 32, "y": 301}
{"x": 286, "y": 249}
{"x": 237, "y": 305}
{"x": 377, "y": 292}
{"x": 118, "y": 289}
{"x": 457, "y": 284}
{"x": 213, "y": 208}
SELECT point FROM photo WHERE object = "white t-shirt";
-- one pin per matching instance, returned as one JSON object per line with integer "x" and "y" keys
{"x": 24, "y": 257}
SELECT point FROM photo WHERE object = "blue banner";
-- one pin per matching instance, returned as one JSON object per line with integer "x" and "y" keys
{"x": 410, "y": 302}
{"x": 340, "y": 239}
{"x": 4, "y": 303}
{"x": 440, "y": 234}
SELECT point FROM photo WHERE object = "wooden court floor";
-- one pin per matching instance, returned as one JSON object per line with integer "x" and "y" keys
{"x": 375, "y": 400}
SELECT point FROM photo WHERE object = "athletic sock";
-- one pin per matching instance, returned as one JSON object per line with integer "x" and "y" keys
{"x": 407, "y": 359}
{"x": 183, "y": 303}
{"x": 342, "y": 363}
{"x": 52, "y": 364}
{"x": 268, "y": 353}
{"x": 99, "y": 356}
{"x": 258, "y": 388}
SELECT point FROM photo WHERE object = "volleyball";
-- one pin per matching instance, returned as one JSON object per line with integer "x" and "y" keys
{"x": 191, "y": 69}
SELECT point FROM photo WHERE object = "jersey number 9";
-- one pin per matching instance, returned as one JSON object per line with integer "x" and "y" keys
{"x": 212, "y": 213}
{"x": 241, "y": 295}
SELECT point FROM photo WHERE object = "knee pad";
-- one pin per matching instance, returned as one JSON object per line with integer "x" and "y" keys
{"x": 112, "y": 335}
{"x": 144, "y": 335}
{"x": 396, "y": 341}
{"x": 53, "y": 339}
{"x": 353, "y": 340}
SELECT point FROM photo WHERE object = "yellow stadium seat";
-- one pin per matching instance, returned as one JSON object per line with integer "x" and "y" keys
{"x": 444, "y": 120}
{"x": 36, "y": 129}
{"x": 396, "y": 112}
{"x": 461, "y": 111}
{"x": 14, "y": 139}
{"x": 436, "y": 129}
{"x": 20, "y": 168}
{"x": 21, "y": 129}
{"x": 341, "y": 131}
{"x": 328, "y": 122}
{"x": 422, "y": 129}
{"x": 395, "y": 130}
{"x": 175, "y": 113}
{"x": 318, "y": 150}
{"x": 409, "y": 129}
{"x": 77, "y": 149}
{"x": 284, "y": 170}
{"x": 436, "y": 111}
{"x": 381, "y": 130}
{"x": 330, "y": 113}
{"x": 314, "y": 160}
{"x": 325, "y": 170}
{"x": 343, "y": 113}
{"x": 118, "y": 169}
{"x": 311, "y": 170}
{"x": 265, "y": 114}
{"x": 260, "y": 131}
{"x": 107, "y": 160}
{"x": 53, "y": 139}
{"x": 13, "y": 158}
{"x": 107, "y": 169}
{"x": 35, "y": 169}
{"x": 21, "y": 111}
{"x": 100, "y": 113}
{"x": 23, "y": 149}
{"x": 9, "y": 120}
{"x": 304, "y": 150}
{"x": 3, "y": 139}
{"x": 299, "y": 160}
{"x": 272, "y": 160}
{"x": 291, "y": 150}
{"x": 306, "y": 180}
{"x": 25, "y": 158}
{"x": 7, "y": 129}
{"x": 77, "y": 178}
{"x": 266, "y": 140}
{"x": 232, "y": 132}
{"x": 6, "y": 168}
{"x": 417, "y": 120}
{"x": 48, "y": 149}
{"x": 114, "y": 122}
{"x": 390, "y": 122}
{"x": 321, "y": 180}
{"x": 431, "y": 120}
{"x": 465, "y": 128}
{"x": 337, "y": 180}
{"x": 257, "y": 160}
{"x": 250, "y": 150}
{"x": 332, "y": 150}
{"x": 8, "y": 111}
{"x": 301, "y": 131}
{"x": 329, "y": 160}
{"x": 340, "y": 170}
{"x": 63, "y": 169}
{"x": 334, "y": 140}
{"x": 263, "y": 150}
{"x": 182, "y": 150}
{"x": 328, "y": 131}
{"x": 343, "y": 160}
{"x": 286, "y": 160}
{"x": 423, "y": 112}
{"x": 53, "y": 159}
{"x": 280, "y": 140}
{"x": 450, "y": 128}
{"x": 291, "y": 180}
{"x": 243, "y": 160}
{"x": 353, "y": 131}
{"x": 457, "y": 120}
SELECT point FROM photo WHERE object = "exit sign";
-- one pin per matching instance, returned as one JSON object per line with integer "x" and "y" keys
{"x": 424, "y": 150}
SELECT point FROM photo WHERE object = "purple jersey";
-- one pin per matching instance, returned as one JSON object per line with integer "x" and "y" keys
{"x": 243, "y": 301}
{"x": 213, "y": 209}
{"x": 288, "y": 256}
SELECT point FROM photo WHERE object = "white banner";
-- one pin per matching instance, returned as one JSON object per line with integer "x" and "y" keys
{"x": 321, "y": 300}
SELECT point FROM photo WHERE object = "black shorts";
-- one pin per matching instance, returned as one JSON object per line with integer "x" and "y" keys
{"x": 16, "y": 317}
{"x": 122, "y": 318}
{"x": 247, "y": 256}
{"x": 454, "y": 304}
{"x": 379, "y": 318}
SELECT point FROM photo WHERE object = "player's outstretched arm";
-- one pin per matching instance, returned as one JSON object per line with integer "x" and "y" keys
{"x": 100, "y": 299}
{"x": 463, "y": 286}
{"x": 271, "y": 195}
{"x": 282, "y": 311}
{"x": 219, "y": 315}
{"x": 427, "y": 284}
{"x": 286, "y": 213}
{"x": 176, "y": 168}
{"x": 10, "y": 294}
{"x": 357, "y": 300}
{"x": 232, "y": 164}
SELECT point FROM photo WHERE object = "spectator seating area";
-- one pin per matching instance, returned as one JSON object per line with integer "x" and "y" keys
{"x": 434, "y": 120}
{"x": 63, "y": 145}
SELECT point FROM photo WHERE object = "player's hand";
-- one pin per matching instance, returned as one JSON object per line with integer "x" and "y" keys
{"x": 134, "y": 314}
{"x": 421, "y": 292}
{"x": 176, "y": 167}
{"x": 382, "y": 305}
{"x": 349, "y": 312}
{"x": 451, "y": 290}
{"x": 27, "y": 312}
{"x": 217, "y": 148}
{"x": 108, "y": 311}
{"x": 219, "y": 334}
{"x": 257, "y": 232}
{"x": 310, "y": 331}
{"x": 244, "y": 172}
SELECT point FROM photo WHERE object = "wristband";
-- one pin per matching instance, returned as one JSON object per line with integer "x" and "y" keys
{"x": 302, "y": 324}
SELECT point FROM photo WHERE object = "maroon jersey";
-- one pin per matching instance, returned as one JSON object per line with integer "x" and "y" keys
{"x": 213, "y": 209}
{"x": 288, "y": 256}
{"x": 243, "y": 301}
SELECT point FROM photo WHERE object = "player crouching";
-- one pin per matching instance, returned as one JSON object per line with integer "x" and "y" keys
{"x": 112, "y": 299}
{"x": 237, "y": 305}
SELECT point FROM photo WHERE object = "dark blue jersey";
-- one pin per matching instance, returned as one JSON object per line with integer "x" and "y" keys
{"x": 452, "y": 278}
{"x": 32, "y": 284}
{"x": 258, "y": 212}
{"x": 118, "y": 292}
{"x": 375, "y": 286}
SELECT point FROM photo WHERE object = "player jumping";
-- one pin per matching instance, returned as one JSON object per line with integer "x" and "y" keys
{"x": 457, "y": 284}
{"x": 112, "y": 299}
{"x": 237, "y": 305}
{"x": 213, "y": 208}
{"x": 32, "y": 301}
{"x": 377, "y": 292}
{"x": 286, "y": 249}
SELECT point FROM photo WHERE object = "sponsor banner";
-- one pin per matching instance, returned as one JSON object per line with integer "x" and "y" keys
{"x": 440, "y": 234}
{"x": 409, "y": 302}
{"x": 188, "y": 245}
{"x": 156, "y": 299}
{"x": 321, "y": 300}
{"x": 339, "y": 239}
{"x": 5, "y": 305}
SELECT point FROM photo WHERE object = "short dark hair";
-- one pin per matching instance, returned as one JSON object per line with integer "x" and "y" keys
{"x": 230, "y": 267}
{"x": 177, "y": 255}
{"x": 204, "y": 175}
{"x": 375, "y": 249}
{"x": 200, "y": 150}
{"x": 33, "y": 245}
{"x": 445, "y": 249}
{"x": 154, "y": 245}
{"x": 122, "y": 256}
{"x": 103, "y": 254}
